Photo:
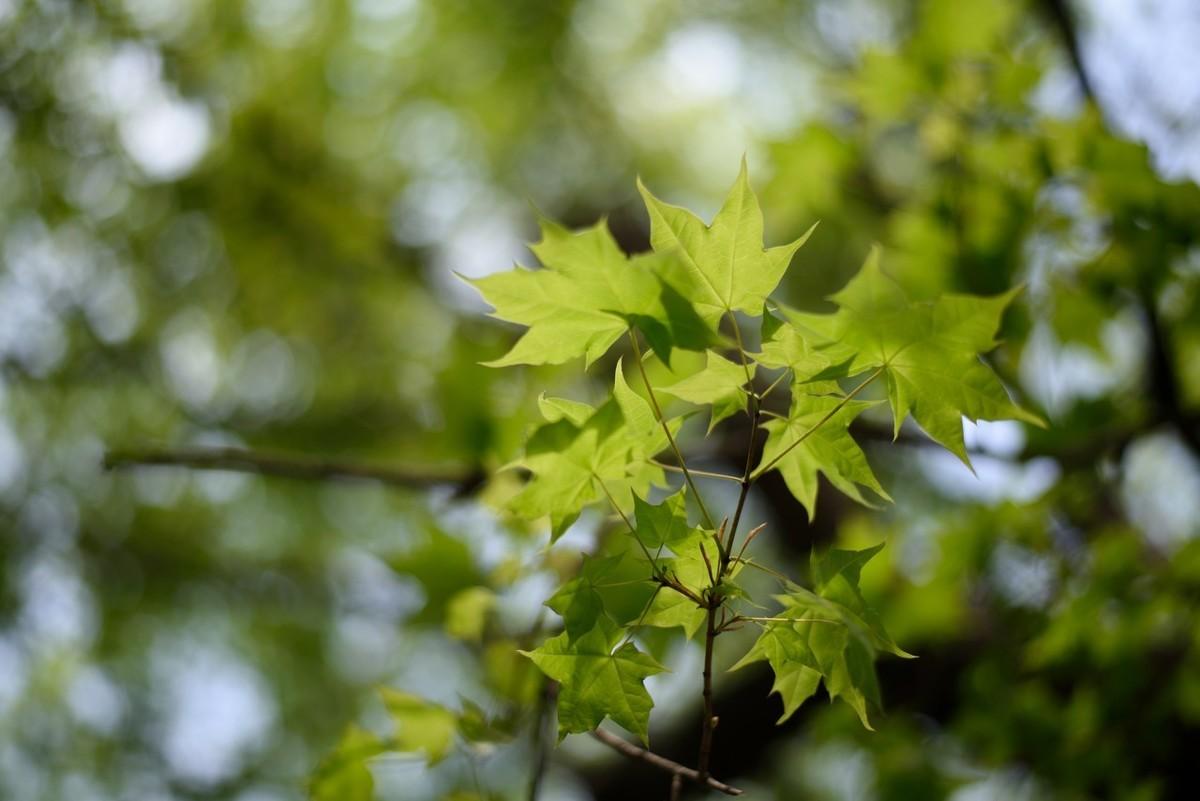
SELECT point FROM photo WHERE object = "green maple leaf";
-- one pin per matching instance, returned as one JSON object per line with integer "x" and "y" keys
{"x": 809, "y": 358}
{"x": 582, "y": 452}
{"x": 597, "y": 681}
{"x": 586, "y": 296}
{"x": 421, "y": 725}
{"x": 720, "y": 267}
{"x": 720, "y": 384}
{"x": 662, "y": 524}
{"x": 579, "y": 601}
{"x": 825, "y": 446}
{"x": 578, "y": 304}
{"x": 830, "y": 634}
{"x": 795, "y": 681}
{"x": 928, "y": 352}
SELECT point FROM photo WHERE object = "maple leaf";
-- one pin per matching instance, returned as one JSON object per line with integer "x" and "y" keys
{"x": 584, "y": 454}
{"x": 720, "y": 384}
{"x": 815, "y": 438}
{"x": 579, "y": 601}
{"x": 928, "y": 352}
{"x": 662, "y": 524}
{"x": 597, "y": 681}
{"x": 828, "y": 634}
{"x": 720, "y": 267}
{"x": 587, "y": 294}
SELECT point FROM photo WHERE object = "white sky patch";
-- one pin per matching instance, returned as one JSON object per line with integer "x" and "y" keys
{"x": 701, "y": 62}
{"x": 1024, "y": 578}
{"x": 1003, "y": 438}
{"x": 96, "y": 701}
{"x": 189, "y": 357}
{"x": 1160, "y": 490}
{"x": 215, "y": 711}
{"x": 57, "y": 610}
{"x": 166, "y": 137}
{"x": 1141, "y": 57}
{"x": 996, "y": 478}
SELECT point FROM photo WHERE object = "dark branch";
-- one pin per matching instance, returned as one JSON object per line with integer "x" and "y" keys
{"x": 1063, "y": 20}
{"x": 296, "y": 467}
{"x": 662, "y": 763}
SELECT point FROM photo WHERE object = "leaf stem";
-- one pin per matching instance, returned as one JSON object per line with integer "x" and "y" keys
{"x": 637, "y": 352}
{"x": 768, "y": 570}
{"x": 786, "y": 372}
{"x": 628, "y": 523}
{"x": 754, "y": 619}
{"x": 819, "y": 423}
{"x": 702, "y": 473}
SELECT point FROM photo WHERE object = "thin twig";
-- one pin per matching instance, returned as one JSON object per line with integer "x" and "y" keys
{"x": 687, "y": 475}
{"x": 754, "y": 532}
{"x": 660, "y": 762}
{"x": 541, "y": 743}
{"x": 694, "y": 471}
{"x": 754, "y": 619}
{"x": 771, "y": 388}
{"x": 292, "y": 466}
{"x": 768, "y": 570}
{"x": 625, "y": 517}
{"x": 710, "y": 720}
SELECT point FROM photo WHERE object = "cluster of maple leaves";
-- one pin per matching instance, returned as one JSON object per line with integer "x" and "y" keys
{"x": 692, "y": 292}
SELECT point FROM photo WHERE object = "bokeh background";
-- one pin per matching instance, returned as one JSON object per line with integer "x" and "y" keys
{"x": 233, "y": 223}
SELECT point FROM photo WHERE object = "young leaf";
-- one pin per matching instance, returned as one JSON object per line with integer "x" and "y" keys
{"x": 720, "y": 267}
{"x": 586, "y": 451}
{"x": 831, "y": 633}
{"x": 929, "y": 352}
{"x": 795, "y": 682}
{"x": 824, "y": 447}
{"x": 578, "y": 304}
{"x": 597, "y": 682}
{"x": 835, "y": 576}
{"x": 664, "y": 523}
{"x": 579, "y": 601}
{"x": 720, "y": 384}
{"x": 809, "y": 358}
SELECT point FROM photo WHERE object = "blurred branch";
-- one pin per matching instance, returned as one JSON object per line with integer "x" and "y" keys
{"x": 676, "y": 770}
{"x": 305, "y": 468}
{"x": 1063, "y": 19}
{"x": 543, "y": 720}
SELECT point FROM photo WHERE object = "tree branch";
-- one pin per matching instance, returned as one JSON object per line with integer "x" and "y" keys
{"x": 662, "y": 763}
{"x": 295, "y": 467}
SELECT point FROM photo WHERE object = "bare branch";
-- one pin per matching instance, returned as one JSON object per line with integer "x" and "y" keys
{"x": 279, "y": 465}
{"x": 660, "y": 762}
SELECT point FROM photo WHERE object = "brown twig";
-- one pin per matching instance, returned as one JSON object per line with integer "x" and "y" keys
{"x": 660, "y": 762}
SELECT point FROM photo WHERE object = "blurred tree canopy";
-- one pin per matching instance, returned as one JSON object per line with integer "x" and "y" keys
{"x": 235, "y": 225}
